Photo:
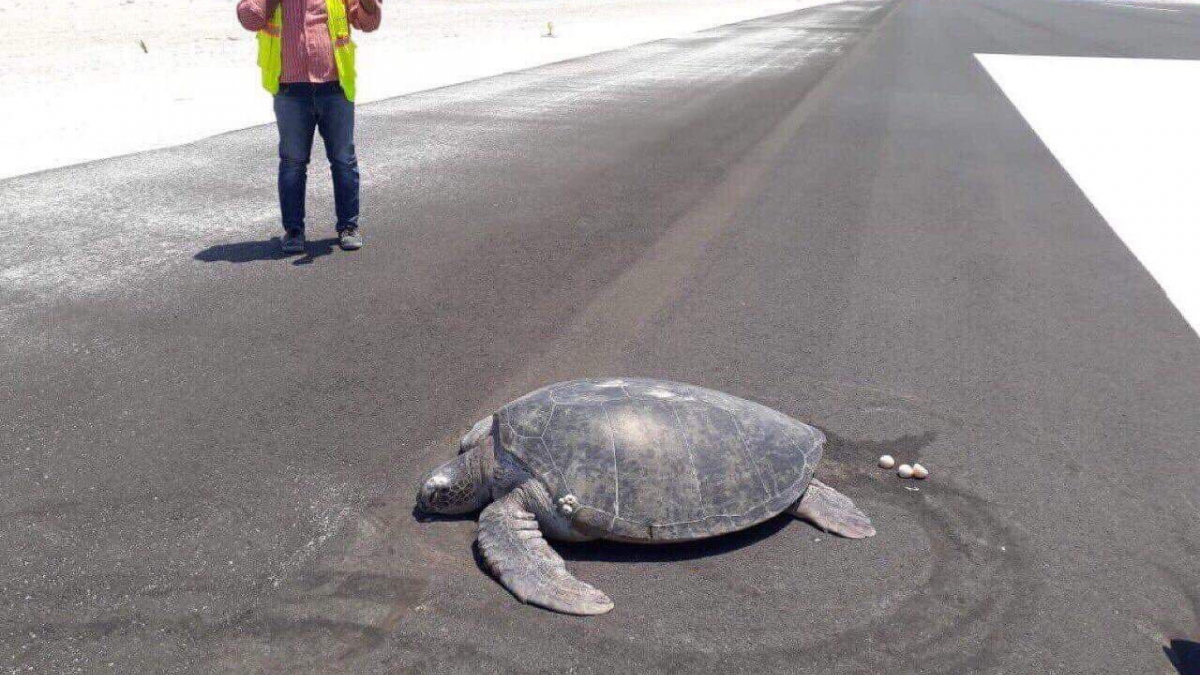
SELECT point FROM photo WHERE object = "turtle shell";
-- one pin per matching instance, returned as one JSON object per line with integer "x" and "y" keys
{"x": 648, "y": 460}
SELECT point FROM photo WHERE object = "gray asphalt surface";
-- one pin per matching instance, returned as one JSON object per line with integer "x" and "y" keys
{"x": 210, "y": 452}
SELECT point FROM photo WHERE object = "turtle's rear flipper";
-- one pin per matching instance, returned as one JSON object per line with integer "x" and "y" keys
{"x": 512, "y": 545}
{"x": 832, "y": 511}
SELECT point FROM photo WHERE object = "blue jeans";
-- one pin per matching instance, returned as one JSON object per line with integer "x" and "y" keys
{"x": 301, "y": 108}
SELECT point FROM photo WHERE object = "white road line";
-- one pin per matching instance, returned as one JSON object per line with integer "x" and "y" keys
{"x": 1128, "y": 133}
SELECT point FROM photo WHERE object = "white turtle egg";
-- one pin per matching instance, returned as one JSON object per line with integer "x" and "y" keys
{"x": 887, "y": 462}
{"x": 919, "y": 471}
{"x": 905, "y": 471}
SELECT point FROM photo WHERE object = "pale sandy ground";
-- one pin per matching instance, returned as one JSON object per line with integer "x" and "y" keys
{"x": 78, "y": 86}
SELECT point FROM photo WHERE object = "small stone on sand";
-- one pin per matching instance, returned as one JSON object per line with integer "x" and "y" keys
{"x": 919, "y": 471}
{"x": 887, "y": 461}
{"x": 905, "y": 471}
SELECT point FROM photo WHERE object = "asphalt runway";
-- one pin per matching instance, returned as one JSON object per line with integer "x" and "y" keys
{"x": 210, "y": 452}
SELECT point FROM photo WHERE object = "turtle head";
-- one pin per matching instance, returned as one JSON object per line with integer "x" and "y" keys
{"x": 456, "y": 487}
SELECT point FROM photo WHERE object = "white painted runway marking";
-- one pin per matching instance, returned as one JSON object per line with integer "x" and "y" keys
{"x": 1128, "y": 133}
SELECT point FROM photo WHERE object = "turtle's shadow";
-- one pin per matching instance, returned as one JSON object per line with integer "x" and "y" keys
{"x": 615, "y": 551}
{"x": 1185, "y": 656}
{"x": 612, "y": 551}
{"x": 424, "y": 517}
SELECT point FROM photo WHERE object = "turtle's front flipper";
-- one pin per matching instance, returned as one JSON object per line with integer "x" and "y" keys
{"x": 477, "y": 433}
{"x": 832, "y": 511}
{"x": 512, "y": 545}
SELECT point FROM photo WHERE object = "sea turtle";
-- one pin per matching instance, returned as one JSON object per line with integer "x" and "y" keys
{"x": 631, "y": 460}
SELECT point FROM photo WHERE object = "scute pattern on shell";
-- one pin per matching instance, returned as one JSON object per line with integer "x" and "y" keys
{"x": 662, "y": 461}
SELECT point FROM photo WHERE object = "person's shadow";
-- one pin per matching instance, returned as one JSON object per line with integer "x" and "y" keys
{"x": 1185, "y": 656}
{"x": 268, "y": 249}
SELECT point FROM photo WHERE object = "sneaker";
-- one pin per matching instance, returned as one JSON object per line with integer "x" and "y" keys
{"x": 349, "y": 240}
{"x": 292, "y": 242}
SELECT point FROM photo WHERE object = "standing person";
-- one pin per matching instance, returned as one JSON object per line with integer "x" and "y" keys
{"x": 307, "y": 61}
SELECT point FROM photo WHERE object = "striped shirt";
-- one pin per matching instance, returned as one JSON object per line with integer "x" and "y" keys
{"x": 307, "y": 49}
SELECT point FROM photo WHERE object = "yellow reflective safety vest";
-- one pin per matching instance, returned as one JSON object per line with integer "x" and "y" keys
{"x": 270, "y": 48}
